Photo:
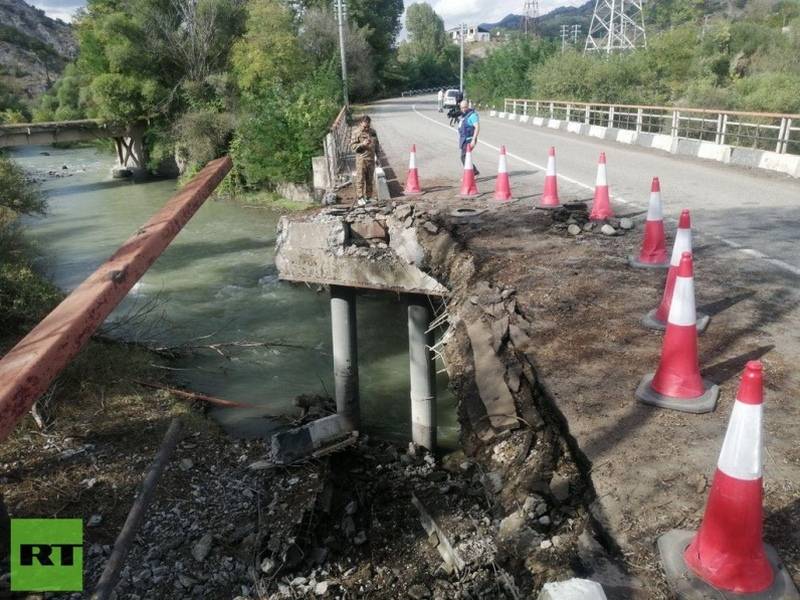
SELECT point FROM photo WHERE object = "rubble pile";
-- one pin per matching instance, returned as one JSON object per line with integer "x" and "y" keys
{"x": 574, "y": 218}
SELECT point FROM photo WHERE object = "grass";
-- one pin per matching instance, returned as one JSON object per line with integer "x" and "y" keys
{"x": 95, "y": 407}
{"x": 271, "y": 200}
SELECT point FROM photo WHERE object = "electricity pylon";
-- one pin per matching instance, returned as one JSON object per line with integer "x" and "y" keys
{"x": 530, "y": 12}
{"x": 617, "y": 25}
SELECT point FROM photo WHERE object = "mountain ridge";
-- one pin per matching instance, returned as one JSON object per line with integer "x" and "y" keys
{"x": 549, "y": 24}
{"x": 34, "y": 49}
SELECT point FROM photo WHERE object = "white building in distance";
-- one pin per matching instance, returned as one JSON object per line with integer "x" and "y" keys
{"x": 474, "y": 33}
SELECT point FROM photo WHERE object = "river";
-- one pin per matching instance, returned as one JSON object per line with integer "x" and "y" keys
{"x": 217, "y": 283}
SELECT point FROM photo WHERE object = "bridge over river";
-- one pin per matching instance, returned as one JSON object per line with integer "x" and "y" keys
{"x": 128, "y": 139}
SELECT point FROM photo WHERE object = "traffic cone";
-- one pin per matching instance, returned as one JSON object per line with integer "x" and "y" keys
{"x": 550, "y": 196}
{"x": 727, "y": 556}
{"x": 502, "y": 187}
{"x": 677, "y": 383}
{"x": 657, "y": 318}
{"x": 654, "y": 253}
{"x": 412, "y": 179}
{"x": 601, "y": 207}
{"x": 468, "y": 187}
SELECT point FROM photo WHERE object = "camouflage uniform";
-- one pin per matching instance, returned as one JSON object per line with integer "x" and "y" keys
{"x": 365, "y": 144}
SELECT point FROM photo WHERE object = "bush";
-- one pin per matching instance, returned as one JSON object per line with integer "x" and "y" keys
{"x": 284, "y": 128}
{"x": 203, "y": 135}
{"x": 17, "y": 196}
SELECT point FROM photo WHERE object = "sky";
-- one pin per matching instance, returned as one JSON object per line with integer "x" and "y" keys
{"x": 486, "y": 11}
{"x": 452, "y": 11}
{"x": 58, "y": 9}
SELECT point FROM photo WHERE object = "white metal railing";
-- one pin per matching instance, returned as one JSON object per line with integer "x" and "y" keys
{"x": 764, "y": 131}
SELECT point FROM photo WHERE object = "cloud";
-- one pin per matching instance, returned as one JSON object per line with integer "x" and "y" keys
{"x": 484, "y": 11}
{"x": 59, "y": 9}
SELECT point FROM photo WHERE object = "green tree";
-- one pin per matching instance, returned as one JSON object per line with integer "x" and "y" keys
{"x": 505, "y": 71}
{"x": 319, "y": 39}
{"x": 269, "y": 52}
{"x": 426, "y": 33}
{"x": 284, "y": 128}
{"x": 426, "y": 58}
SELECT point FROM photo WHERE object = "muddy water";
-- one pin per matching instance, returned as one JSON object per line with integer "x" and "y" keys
{"x": 217, "y": 283}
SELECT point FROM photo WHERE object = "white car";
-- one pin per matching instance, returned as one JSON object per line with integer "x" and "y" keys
{"x": 451, "y": 97}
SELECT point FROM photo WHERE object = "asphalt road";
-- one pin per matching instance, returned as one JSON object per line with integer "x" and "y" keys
{"x": 755, "y": 212}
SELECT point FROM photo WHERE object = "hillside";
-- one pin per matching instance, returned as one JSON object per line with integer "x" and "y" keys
{"x": 658, "y": 16}
{"x": 33, "y": 48}
{"x": 549, "y": 25}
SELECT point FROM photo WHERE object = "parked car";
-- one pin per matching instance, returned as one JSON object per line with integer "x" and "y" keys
{"x": 451, "y": 97}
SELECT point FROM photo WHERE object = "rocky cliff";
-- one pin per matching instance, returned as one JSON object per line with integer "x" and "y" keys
{"x": 33, "y": 48}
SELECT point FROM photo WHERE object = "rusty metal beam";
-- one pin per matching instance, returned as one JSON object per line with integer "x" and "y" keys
{"x": 31, "y": 366}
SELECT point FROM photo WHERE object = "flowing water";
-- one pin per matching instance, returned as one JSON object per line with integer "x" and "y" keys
{"x": 217, "y": 283}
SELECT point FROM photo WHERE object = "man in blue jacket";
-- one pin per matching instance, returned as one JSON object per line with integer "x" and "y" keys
{"x": 468, "y": 130}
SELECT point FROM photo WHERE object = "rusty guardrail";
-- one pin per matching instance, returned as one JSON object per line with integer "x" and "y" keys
{"x": 776, "y": 132}
{"x": 31, "y": 366}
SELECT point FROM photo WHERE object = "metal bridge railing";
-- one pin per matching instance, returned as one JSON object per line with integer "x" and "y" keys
{"x": 762, "y": 131}
{"x": 29, "y": 368}
{"x": 339, "y": 157}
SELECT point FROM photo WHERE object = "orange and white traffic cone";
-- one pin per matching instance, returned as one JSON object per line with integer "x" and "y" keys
{"x": 550, "y": 196}
{"x": 654, "y": 253}
{"x": 502, "y": 187}
{"x": 677, "y": 384}
{"x": 728, "y": 556}
{"x": 412, "y": 179}
{"x": 601, "y": 207}
{"x": 657, "y": 318}
{"x": 469, "y": 188}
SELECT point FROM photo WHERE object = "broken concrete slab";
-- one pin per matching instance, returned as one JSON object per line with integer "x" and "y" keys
{"x": 431, "y": 527}
{"x": 573, "y": 589}
{"x": 489, "y": 377}
{"x": 318, "y": 249}
{"x": 302, "y": 442}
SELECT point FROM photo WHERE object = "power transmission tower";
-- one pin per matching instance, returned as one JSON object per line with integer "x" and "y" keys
{"x": 563, "y": 38}
{"x": 530, "y": 13}
{"x": 576, "y": 31}
{"x": 341, "y": 15}
{"x": 617, "y": 25}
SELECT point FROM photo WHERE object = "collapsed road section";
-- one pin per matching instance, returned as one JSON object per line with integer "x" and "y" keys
{"x": 515, "y": 461}
{"x": 544, "y": 349}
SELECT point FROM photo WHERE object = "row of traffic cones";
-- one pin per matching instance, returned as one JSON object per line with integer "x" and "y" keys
{"x": 601, "y": 206}
{"x": 727, "y": 556}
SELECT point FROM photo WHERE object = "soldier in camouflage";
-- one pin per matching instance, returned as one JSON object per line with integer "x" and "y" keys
{"x": 364, "y": 143}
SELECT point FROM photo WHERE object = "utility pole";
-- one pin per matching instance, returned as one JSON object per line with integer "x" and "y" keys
{"x": 576, "y": 31}
{"x": 341, "y": 9}
{"x": 461, "y": 30}
{"x": 563, "y": 38}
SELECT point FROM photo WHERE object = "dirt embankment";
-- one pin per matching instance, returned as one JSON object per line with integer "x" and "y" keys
{"x": 561, "y": 474}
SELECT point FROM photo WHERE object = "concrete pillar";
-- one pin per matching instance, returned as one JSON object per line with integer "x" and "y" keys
{"x": 345, "y": 353}
{"x": 131, "y": 159}
{"x": 423, "y": 372}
